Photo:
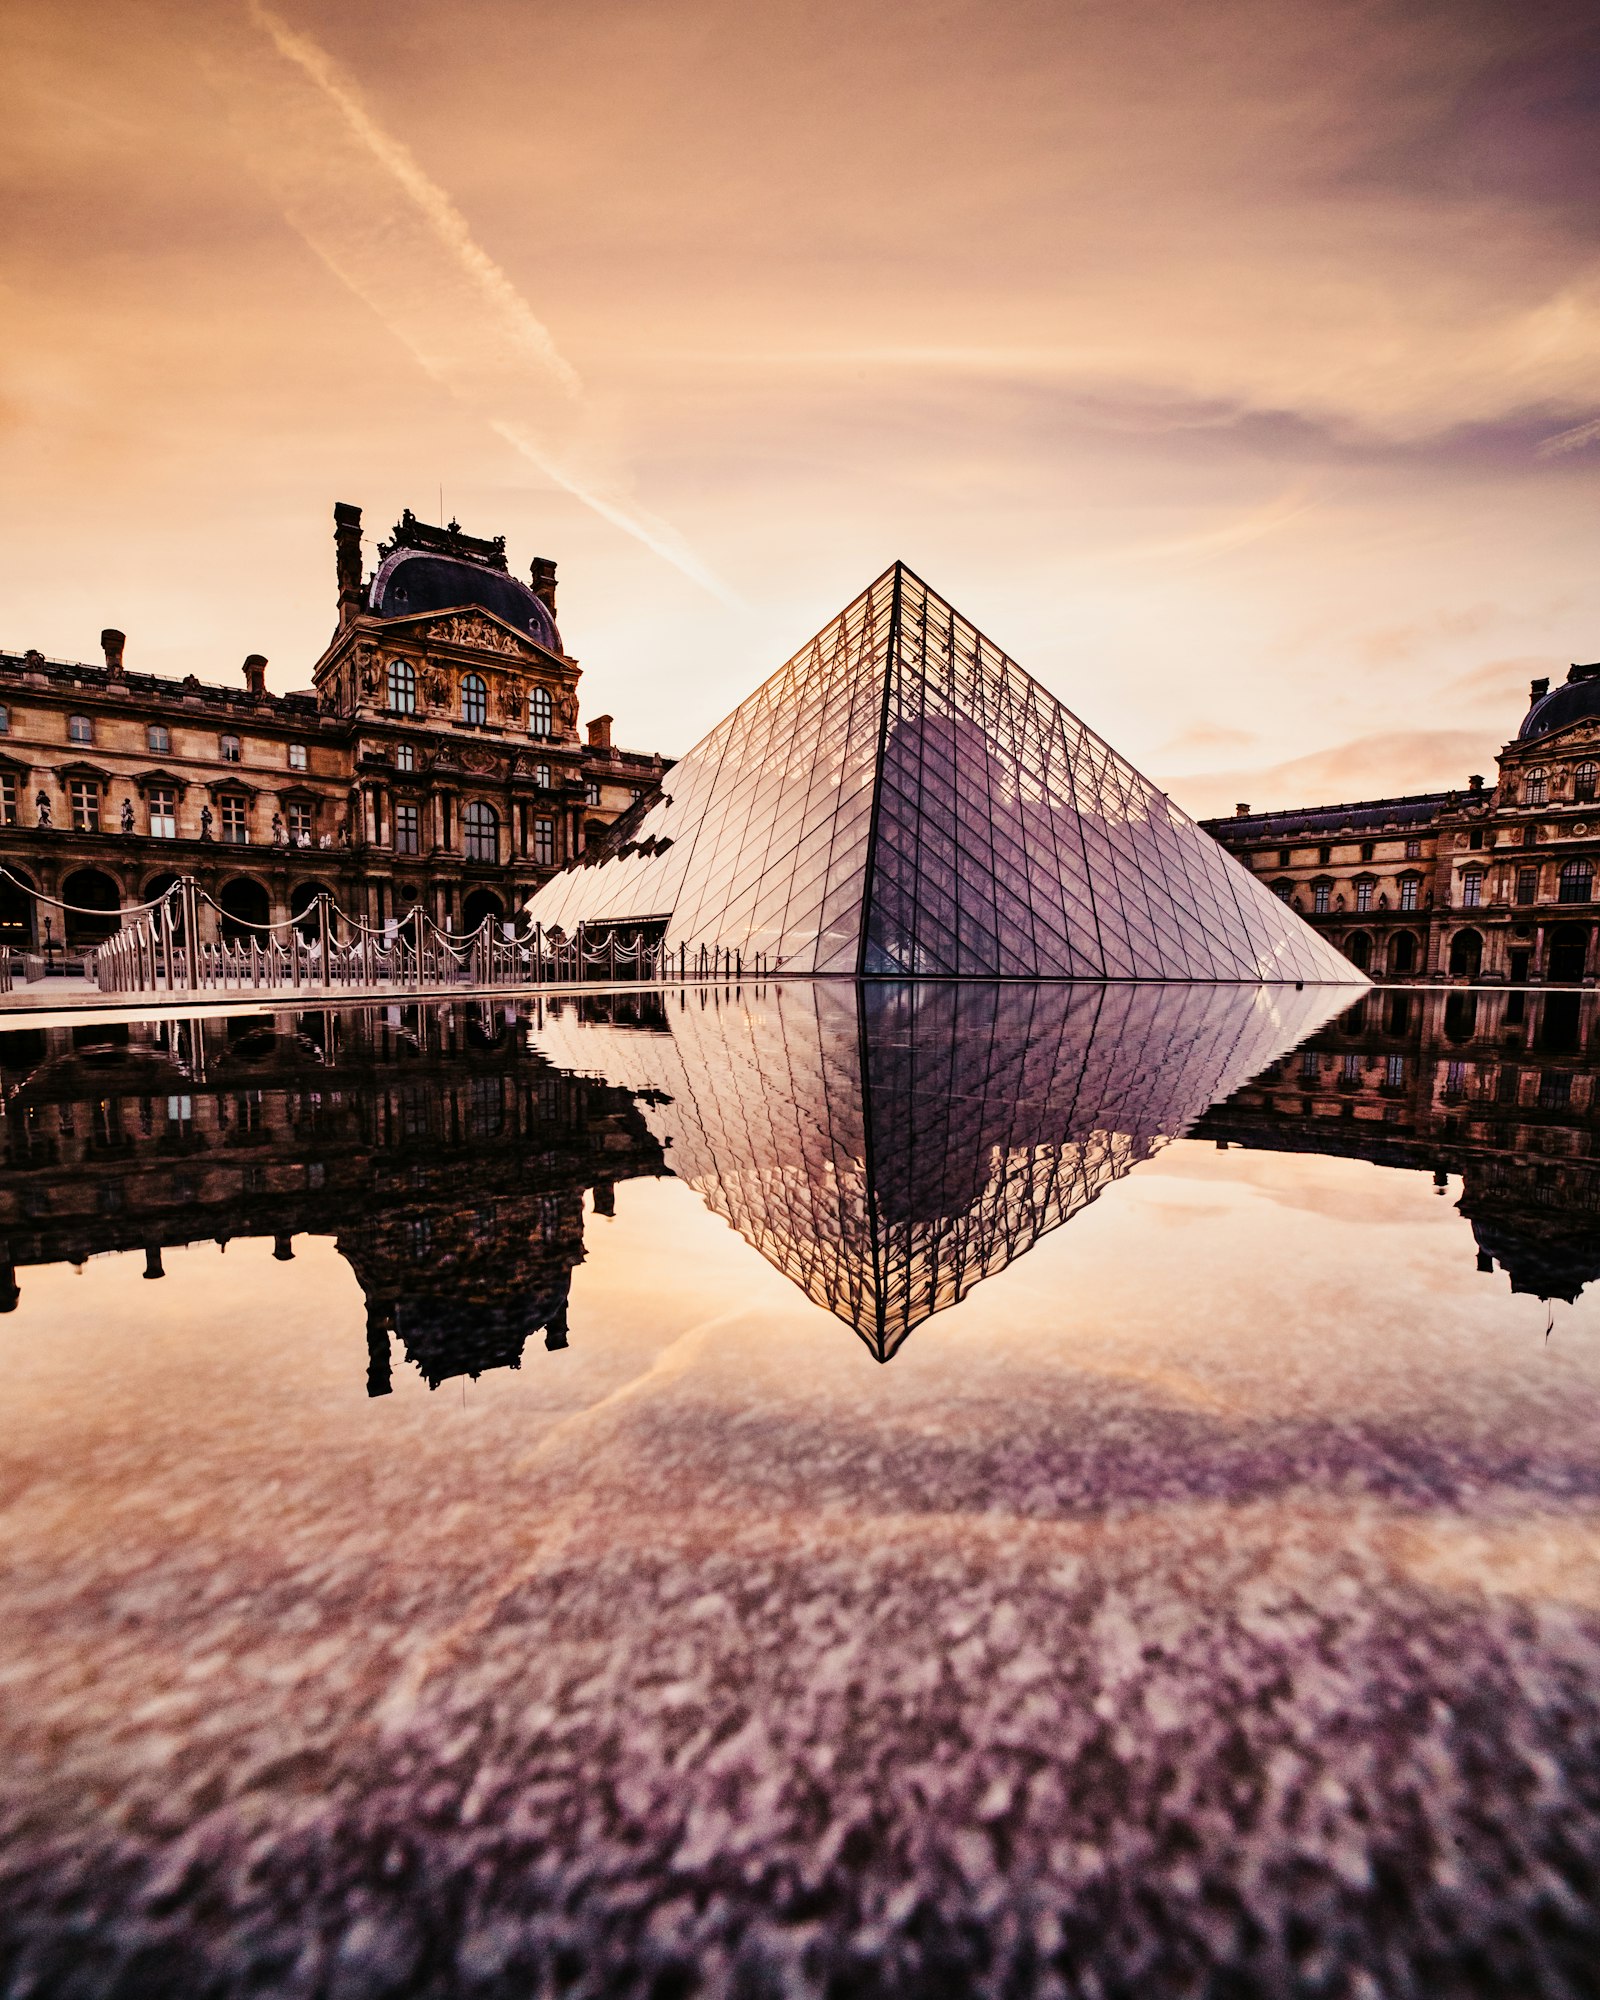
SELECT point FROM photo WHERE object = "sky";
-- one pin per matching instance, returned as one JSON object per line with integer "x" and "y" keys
{"x": 1235, "y": 366}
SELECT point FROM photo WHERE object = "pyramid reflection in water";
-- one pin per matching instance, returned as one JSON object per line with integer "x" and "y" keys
{"x": 887, "y": 1146}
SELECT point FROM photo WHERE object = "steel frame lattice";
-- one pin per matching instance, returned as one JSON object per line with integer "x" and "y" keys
{"x": 901, "y": 799}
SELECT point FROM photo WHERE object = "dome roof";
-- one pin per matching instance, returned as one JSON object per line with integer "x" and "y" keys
{"x": 412, "y": 580}
{"x": 1576, "y": 700}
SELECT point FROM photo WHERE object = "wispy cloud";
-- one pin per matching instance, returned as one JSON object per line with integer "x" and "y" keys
{"x": 364, "y": 204}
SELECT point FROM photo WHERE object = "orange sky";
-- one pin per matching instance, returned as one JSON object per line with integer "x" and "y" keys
{"x": 1222, "y": 361}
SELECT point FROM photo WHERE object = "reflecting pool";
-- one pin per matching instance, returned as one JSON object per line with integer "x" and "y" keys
{"x": 803, "y": 1489}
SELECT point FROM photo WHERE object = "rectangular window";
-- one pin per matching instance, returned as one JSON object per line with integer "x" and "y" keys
{"x": 1324, "y": 855}
{"x": 405, "y": 828}
{"x": 544, "y": 842}
{"x": 159, "y": 738}
{"x": 163, "y": 814}
{"x": 8, "y": 800}
{"x": 297, "y": 756}
{"x": 1413, "y": 848}
{"x": 1394, "y": 1070}
{"x": 228, "y": 749}
{"x": 591, "y": 793}
{"x": 301, "y": 814}
{"x": 85, "y": 796}
{"x": 5, "y": 720}
{"x": 235, "y": 821}
{"x": 1283, "y": 856}
{"x": 405, "y": 758}
{"x": 1320, "y": 893}
{"x": 1527, "y": 885}
{"x": 1308, "y": 1065}
{"x": 1455, "y": 1078}
{"x": 1555, "y": 1090}
{"x": 1475, "y": 838}
{"x": 79, "y": 729}
{"x": 1352, "y": 1069}
{"x": 1471, "y": 891}
{"x": 1408, "y": 892}
{"x": 1364, "y": 895}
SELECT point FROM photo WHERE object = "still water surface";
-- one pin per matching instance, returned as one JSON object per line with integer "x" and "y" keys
{"x": 788, "y": 1492}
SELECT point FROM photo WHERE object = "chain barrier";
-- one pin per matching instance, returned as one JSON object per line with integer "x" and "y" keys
{"x": 326, "y": 948}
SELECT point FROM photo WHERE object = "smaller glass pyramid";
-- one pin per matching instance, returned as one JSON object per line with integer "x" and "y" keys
{"x": 900, "y": 799}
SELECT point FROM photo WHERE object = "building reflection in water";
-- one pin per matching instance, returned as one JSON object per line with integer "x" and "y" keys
{"x": 447, "y": 1159}
{"x": 1500, "y": 1087}
{"x": 886, "y": 1147}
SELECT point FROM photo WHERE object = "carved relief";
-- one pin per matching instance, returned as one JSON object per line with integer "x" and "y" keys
{"x": 465, "y": 629}
{"x": 481, "y": 761}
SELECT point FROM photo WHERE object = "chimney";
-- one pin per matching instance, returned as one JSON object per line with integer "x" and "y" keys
{"x": 1475, "y": 783}
{"x": 543, "y": 576}
{"x": 1241, "y": 811}
{"x": 255, "y": 673}
{"x": 113, "y": 641}
{"x": 600, "y": 733}
{"x": 1538, "y": 688}
{"x": 347, "y": 559}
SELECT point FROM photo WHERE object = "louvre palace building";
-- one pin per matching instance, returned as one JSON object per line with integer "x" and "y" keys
{"x": 1492, "y": 883}
{"x": 435, "y": 759}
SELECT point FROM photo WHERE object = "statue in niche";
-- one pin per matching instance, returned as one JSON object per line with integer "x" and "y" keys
{"x": 510, "y": 702}
{"x": 279, "y": 837}
{"x": 127, "y": 815}
{"x": 567, "y": 712}
{"x": 438, "y": 689}
{"x": 205, "y": 822}
{"x": 42, "y": 803}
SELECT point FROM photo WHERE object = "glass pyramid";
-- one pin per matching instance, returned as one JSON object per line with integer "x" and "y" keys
{"x": 902, "y": 799}
{"x": 889, "y": 1145}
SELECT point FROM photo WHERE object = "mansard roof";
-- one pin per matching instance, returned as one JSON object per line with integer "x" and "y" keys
{"x": 1363, "y": 816}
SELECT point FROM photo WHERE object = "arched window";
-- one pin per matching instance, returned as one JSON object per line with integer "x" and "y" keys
{"x": 1410, "y": 890}
{"x": 1472, "y": 889}
{"x": 1583, "y": 782}
{"x": 228, "y": 749}
{"x": 1535, "y": 788}
{"x": 541, "y": 776}
{"x": 1358, "y": 949}
{"x": 474, "y": 698}
{"x": 482, "y": 827}
{"x": 1577, "y": 882}
{"x": 1403, "y": 952}
{"x": 402, "y": 687}
{"x": 1466, "y": 954}
{"x": 541, "y": 713}
{"x": 79, "y": 729}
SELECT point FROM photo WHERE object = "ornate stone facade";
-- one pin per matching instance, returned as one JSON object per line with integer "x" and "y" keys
{"x": 436, "y": 759}
{"x": 1489, "y": 883}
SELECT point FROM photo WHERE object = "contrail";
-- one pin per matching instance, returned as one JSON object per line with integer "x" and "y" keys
{"x": 362, "y": 202}
{"x": 1573, "y": 440}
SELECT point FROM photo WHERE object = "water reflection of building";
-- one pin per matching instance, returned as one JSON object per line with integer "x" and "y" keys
{"x": 446, "y": 1158}
{"x": 889, "y": 1146}
{"x": 1500, "y": 1088}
